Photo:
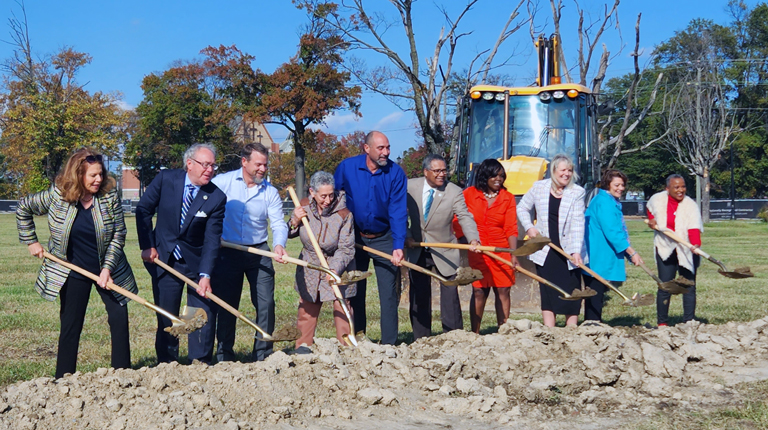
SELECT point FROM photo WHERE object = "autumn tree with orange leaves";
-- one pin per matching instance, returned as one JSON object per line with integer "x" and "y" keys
{"x": 306, "y": 89}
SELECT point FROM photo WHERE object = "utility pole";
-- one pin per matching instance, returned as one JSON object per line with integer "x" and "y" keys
{"x": 698, "y": 139}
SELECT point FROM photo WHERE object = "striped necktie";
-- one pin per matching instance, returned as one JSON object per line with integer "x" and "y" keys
{"x": 428, "y": 205}
{"x": 184, "y": 209}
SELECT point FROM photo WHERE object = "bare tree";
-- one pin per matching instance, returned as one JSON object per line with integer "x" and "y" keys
{"x": 589, "y": 35}
{"x": 405, "y": 82}
{"x": 699, "y": 122}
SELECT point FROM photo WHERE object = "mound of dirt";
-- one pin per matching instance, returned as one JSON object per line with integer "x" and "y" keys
{"x": 526, "y": 376}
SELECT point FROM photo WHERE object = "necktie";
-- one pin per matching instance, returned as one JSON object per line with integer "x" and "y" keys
{"x": 428, "y": 205}
{"x": 184, "y": 208}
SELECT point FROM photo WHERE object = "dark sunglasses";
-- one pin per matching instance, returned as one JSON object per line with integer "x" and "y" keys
{"x": 94, "y": 159}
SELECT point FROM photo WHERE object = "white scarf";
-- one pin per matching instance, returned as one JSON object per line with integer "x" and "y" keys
{"x": 687, "y": 217}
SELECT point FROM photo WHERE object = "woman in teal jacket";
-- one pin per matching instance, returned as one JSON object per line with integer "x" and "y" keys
{"x": 607, "y": 241}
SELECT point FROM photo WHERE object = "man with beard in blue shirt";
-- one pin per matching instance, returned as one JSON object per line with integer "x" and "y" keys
{"x": 376, "y": 190}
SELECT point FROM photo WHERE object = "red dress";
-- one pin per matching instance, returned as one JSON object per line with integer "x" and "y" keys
{"x": 494, "y": 224}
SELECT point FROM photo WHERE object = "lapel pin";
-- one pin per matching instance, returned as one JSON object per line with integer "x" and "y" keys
{"x": 205, "y": 197}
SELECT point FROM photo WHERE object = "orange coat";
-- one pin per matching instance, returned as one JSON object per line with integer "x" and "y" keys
{"x": 495, "y": 225}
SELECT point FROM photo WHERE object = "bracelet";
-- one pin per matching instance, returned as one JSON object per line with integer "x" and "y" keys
{"x": 633, "y": 254}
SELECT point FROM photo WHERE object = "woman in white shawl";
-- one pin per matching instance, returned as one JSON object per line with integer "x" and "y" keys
{"x": 676, "y": 211}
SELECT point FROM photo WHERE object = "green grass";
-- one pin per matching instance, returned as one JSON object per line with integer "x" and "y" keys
{"x": 29, "y": 325}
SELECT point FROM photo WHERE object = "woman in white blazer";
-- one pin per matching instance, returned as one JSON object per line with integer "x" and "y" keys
{"x": 559, "y": 206}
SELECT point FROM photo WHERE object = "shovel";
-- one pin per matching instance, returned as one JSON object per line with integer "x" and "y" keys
{"x": 468, "y": 275}
{"x": 531, "y": 245}
{"x": 191, "y": 319}
{"x": 577, "y": 294}
{"x": 738, "y": 273}
{"x": 677, "y": 286}
{"x": 286, "y": 333}
{"x": 351, "y": 340}
{"x": 635, "y": 301}
{"x": 345, "y": 278}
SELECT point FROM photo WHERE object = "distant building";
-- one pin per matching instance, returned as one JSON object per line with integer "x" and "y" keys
{"x": 130, "y": 184}
{"x": 247, "y": 131}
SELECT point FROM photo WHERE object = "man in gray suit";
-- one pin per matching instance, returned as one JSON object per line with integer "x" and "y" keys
{"x": 432, "y": 203}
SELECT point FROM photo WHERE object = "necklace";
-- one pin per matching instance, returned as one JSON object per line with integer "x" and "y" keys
{"x": 557, "y": 193}
{"x": 86, "y": 200}
{"x": 490, "y": 195}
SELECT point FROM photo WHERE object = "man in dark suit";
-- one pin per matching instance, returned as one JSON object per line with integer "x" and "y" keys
{"x": 432, "y": 204}
{"x": 190, "y": 213}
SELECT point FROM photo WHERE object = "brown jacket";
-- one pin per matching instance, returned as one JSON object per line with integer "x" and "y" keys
{"x": 335, "y": 233}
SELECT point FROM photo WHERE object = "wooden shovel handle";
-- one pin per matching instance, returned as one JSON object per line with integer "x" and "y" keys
{"x": 590, "y": 271}
{"x": 114, "y": 287}
{"x": 672, "y": 235}
{"x": 212, "y": 296}
{"x": 286, "y": 258}
{"x": 463, "y": 246}
{"x": 531, "y": 275}
{"x": 403, "y": 262}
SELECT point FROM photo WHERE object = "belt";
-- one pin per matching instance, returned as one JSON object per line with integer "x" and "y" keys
{"x": 372, "y": 235}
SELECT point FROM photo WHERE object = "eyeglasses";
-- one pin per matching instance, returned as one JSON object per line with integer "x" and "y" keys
{"x": 93, "y": 159}
{"x": 205, "y": 166}
{"x": 438, "y": 171}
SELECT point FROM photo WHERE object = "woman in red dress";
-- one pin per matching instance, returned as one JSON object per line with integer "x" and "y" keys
{"x": 495, "y": 214}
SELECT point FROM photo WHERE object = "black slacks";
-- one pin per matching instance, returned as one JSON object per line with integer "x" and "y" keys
{"x": 668, "y": 269}
{"x": 420, "y": 295}
{"x": 167, "y": 291}
{"x": 227, "y": 283}
{"x": 74, "y": 297}
{"x": 388, "y": 279}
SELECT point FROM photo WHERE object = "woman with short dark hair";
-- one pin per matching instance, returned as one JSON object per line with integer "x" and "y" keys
{"x": 607, "y": 241}
{"x": 85, "y": 219}
{"x": 493, "y": 208}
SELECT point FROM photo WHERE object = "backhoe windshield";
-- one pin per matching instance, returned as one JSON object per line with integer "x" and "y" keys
{"x": 536, "y": 128}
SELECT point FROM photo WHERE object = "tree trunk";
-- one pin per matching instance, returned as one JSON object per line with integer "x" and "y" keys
{"x": 298, "y": 161}
{"x": 705, "y": 196}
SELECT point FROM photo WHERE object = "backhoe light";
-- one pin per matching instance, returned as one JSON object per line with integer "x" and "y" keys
{"x": 488, "y": 96}
{"x": 556, "y": 80}
{"x": 558, "y": 94}
{"x": 475, "y": 95}
{"x": 500, "y": 97}
{"x": 573, "y": 94}
{"x": 545, "y": 96}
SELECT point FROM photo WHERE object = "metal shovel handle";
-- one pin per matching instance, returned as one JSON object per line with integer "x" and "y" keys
{"x": 531, "y": 275}
{"x": 591, "y": 272}
{"x": 292, "y": 260}
{"x": 324, "y": 262}
{"x": 114, "y": 287}
{"x": 215, "y": 299}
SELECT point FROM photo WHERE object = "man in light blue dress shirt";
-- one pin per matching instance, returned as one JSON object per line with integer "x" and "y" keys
{"x": 251, "y": 202}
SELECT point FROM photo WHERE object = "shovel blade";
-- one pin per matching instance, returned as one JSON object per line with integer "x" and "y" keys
{"x": 531, "y": 245}
{"x": 286, "y": 333}
{"x": 677, "y": 286}
{"x": 738, "y": 273}
{"x": 348, "y": 278}
{"x": 641, "y": 300}
{"x": 192, "y": 319}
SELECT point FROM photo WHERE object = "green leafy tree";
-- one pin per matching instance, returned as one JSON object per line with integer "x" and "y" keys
{"x": 45, "y": 113}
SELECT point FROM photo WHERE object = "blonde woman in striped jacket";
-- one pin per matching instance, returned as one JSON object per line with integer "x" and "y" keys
{"x": 85, "y": 219}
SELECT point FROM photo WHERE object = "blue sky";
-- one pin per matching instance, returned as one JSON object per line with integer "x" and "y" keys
{"x": 129, "y": 39}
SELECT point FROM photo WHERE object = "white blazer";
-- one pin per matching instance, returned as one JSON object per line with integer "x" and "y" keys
{"x": 570, "y": 222}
